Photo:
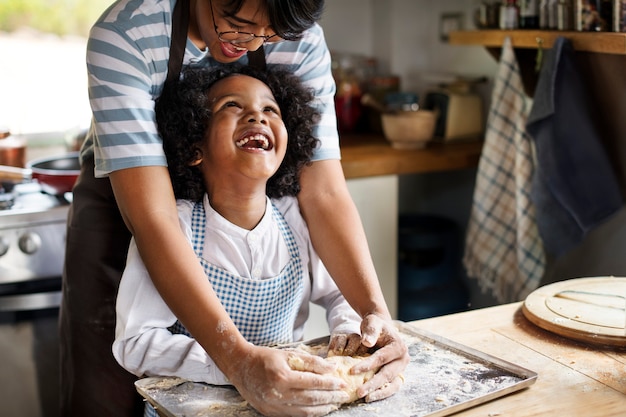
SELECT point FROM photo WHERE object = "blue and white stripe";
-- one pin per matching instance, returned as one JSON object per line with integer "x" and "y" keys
{"x": 127, "y": 57}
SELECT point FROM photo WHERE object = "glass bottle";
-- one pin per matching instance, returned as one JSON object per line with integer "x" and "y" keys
{"x": 348, "y": 94}
{"x": 544, "y": 11}
{"x": 606, "y": 10}
{"x": 553, "y": 12}
{"x": 509, "y": 15}
{"x": 528, "y": 14}
{"x": 564, "y": 15}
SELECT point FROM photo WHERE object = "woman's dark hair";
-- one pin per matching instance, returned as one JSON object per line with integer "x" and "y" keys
{"x": 183, "y": 114}
{"x": 288, "y": 18}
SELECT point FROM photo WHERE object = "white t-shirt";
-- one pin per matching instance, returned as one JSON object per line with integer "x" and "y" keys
{"x": 145, "y": 347}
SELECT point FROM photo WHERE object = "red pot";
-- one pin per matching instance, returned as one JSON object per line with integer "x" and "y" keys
{"x": 56, "y": 175}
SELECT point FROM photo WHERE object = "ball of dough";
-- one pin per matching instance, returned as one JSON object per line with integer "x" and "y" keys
{"x": 353, "y": 381}
{"x": 342, "y": 371}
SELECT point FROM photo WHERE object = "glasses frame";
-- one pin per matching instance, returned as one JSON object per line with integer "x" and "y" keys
{"x": 250, "y": 38}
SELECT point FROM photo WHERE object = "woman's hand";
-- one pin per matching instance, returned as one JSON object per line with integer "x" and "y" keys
{"x": 264, "y": 378}
{"x": 390, "y": 354}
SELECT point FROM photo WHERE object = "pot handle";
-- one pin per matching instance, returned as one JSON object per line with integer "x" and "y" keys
{"x": 9, "y": 173}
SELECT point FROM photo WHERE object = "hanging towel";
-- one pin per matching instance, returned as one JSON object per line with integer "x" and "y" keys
{"x": 575, "y": 187}
{"x": 503, "y": 250}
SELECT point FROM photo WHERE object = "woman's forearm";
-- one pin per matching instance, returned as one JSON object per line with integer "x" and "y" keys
{"x": 339, "y": 238}
{"x": 172, "y": 263}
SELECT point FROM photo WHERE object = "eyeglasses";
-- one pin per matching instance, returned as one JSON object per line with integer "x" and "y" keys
{"x": 236, "y": 37}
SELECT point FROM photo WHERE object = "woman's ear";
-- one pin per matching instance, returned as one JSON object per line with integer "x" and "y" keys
{"x": 197, "y": 157}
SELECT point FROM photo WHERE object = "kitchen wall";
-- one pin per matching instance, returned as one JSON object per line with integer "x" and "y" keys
{"x": 404, "y": 36}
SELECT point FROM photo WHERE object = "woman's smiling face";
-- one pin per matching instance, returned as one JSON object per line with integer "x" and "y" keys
{"x": 251, "y": 18}
{"x": 246, "y": 138}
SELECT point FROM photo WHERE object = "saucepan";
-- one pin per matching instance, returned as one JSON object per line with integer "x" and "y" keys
{"x": 56, "y": 174}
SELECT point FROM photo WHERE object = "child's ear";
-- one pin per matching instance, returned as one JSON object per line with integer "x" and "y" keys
{"x": 197, "y": 157}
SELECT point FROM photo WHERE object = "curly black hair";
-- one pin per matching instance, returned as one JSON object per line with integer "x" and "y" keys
{"x": 183, "y": 114}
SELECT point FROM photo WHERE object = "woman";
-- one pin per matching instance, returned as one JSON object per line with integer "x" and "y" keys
{"x": 124, "y": 167}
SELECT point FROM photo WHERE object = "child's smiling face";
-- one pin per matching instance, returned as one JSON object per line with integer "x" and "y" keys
{"x": 246, "y": 137}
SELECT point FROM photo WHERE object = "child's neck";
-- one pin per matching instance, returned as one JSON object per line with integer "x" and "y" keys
{"x": 243, "y": 210}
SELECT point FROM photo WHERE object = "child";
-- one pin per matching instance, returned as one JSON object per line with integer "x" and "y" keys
{"x": 235, "y": 139}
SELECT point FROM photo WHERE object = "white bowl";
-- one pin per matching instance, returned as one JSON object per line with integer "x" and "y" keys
{"x": 409, "y": 129}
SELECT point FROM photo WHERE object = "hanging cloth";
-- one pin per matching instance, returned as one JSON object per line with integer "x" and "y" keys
{"x": 575, "y": 187}
{"x": 503, "y": 250}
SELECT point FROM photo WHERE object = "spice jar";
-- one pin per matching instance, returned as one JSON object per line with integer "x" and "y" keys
{"x": 349, "y": 92}
{"x": 12, "y": 149}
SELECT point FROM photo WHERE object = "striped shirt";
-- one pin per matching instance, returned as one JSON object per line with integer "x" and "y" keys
{"x": 127, "y": 56}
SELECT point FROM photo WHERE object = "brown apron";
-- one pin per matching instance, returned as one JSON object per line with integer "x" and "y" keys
{"x": 92, "y": 382}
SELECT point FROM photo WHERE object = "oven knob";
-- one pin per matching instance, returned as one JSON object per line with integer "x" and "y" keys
{"x": 4, "y": 246}
{"x": 29, "y": 243}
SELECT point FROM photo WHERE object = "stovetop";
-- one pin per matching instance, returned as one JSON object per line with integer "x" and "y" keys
{"x": 32, "y": 235}
{"x": 26, "y": 204}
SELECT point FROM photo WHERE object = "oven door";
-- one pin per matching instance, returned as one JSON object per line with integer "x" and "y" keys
{"x": 29, "y": 348}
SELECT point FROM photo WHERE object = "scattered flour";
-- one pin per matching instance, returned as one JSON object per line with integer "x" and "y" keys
{"x": 437, "y": 378}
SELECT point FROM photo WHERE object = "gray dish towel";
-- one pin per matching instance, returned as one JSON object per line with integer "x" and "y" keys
{"x": 574, "y": 187}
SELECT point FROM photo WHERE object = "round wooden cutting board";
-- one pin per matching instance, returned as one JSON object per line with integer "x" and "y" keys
{"x": 592, "y": 310}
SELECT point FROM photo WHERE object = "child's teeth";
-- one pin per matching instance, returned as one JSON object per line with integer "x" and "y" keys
{"x": 260, "y": 138}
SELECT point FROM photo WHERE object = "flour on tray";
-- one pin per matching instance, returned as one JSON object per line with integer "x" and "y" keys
{"x": 438, "y": 377}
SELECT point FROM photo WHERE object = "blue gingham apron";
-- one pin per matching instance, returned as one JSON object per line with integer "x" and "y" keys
{"x": 263, "y": 310}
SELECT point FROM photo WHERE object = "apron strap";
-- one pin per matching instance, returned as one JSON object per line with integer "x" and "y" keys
{"x": 180, "y": 25}
{"x": 256, "y": 59}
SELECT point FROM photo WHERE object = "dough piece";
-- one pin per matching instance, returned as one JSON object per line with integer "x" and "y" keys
{"x": 344, "y": 364}
{"x": 354, "y": 381}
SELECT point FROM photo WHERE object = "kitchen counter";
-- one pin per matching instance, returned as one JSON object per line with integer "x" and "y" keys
{"x": 367, "y": 155}
{"x": 574, "y": 379}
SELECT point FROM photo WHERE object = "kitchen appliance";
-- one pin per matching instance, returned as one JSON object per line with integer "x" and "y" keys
{"x": 461, "y": 114}
{"x": 32, "y": 250}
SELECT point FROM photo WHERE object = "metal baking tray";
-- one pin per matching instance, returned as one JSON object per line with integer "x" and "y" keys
{"x": 443, "y": 378}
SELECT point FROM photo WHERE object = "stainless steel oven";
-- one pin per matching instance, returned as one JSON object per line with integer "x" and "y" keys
{"x": 32, "y": 248}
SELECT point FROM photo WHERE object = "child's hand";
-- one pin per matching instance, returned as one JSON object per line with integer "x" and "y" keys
{"x": 265, "y": 379}
{"x": 342, "y": 344}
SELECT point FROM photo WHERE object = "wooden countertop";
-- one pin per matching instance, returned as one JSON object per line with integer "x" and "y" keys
{"x": 574, "y": 379}
{"x": 371, "y": 155}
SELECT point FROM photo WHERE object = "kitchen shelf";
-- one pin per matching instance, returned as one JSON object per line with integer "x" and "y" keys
{"x": 598, "y": 42}
{"x": 367, "y": 155}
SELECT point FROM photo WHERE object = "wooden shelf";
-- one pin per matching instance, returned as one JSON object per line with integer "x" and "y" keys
{"x": 601, "y": 59}
{"x": 598, "y": 42}
{"x": 367, "y": 155}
